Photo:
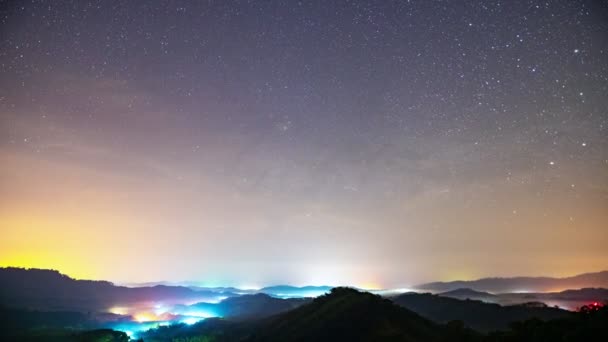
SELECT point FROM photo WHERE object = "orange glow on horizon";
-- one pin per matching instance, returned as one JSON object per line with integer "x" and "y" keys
{"x": 50, "y": 242}
{"x": 145, "y": 317}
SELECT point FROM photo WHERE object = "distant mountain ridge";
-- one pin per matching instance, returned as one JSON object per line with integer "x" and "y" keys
{"x": 39, "y": 289}
{"x": 466, "y": 293}
{"x": 275, "y": 290}
{"x": 522, "y": 284}
{"x": 50, "y": 290}
{"x": 475, "y": 314}
{"x": 295, "y": 291}
{"x": 28, "y": 295}
{"x": 257, "y": 305}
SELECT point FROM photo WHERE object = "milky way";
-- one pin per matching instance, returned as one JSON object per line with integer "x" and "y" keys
{"x": 248, "y": 143}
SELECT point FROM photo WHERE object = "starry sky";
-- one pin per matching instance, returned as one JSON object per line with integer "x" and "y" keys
{"x": 247, "y": 143}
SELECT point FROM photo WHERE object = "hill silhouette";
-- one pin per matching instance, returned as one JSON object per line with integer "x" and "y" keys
{"x": 519, "y": 284}
{"x": 347, "y": 314}
{"x": 586, "y": 294}
{"x": 34, "y": 299}
{"x": 295, "y": 291}
{"x": 338, "y": 318}
{"x": 40, "y": 326}
{"x": 66, "y": 335}
{"x": 16, "y": 321}
{"x": 474, "y": 314}
{"x": 568, "y": 299}
{"x": 344, "y": 314}
{"x": 465, "y": 293}
{"x": 50, "y": 290}
{"x": 249, "y": 306}
{"x": 589, "y": 324}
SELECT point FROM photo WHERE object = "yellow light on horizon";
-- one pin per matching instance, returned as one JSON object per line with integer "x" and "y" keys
{"x": 31, "y": 242}
{"x": 49, "y": 260}
{"x": 145, "y": 317}
{"x": 118, "y": 310}
{"x": 249, "y": 287}
{"x": 372, "y": 285}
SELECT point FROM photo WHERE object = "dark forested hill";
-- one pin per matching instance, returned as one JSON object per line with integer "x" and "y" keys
{"x": 474, "y": 314}
{"x": 342, "y": 315}
{"x": 589, "y": 324}
{"x": 249, "y": 306}
{"x": 349, "y": 315}
{"x": 50, "y": 290}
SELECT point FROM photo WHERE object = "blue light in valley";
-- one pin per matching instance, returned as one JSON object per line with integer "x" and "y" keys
{"x": 201, "y": 314}
{"x": 301, "y": 294}
{"x": 141, "y": 318}
{"x": 171, "y": 316}
{"x": 133, "y": 328}
{"x": 191, "y": 320}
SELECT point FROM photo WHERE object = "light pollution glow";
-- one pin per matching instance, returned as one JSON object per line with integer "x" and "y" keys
{"x": 149, "y": 316}
{"x": 339, "y": 153}
{"x": 144, "y": 317}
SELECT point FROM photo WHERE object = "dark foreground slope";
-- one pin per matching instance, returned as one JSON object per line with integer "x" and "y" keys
{"x": 69, "y": 335}
{"x": 589, "y": 324}
{"x": 474, "y": 314}
{"x": 16, "y": 321}
{"x": 47, "y": 326}
{"x": 349, "y": 315}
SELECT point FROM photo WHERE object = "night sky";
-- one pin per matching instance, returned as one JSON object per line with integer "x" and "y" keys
{"x": 248, "y": 143}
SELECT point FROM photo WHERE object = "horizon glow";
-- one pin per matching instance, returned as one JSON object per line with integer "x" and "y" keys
{"x": 387, "y": 145}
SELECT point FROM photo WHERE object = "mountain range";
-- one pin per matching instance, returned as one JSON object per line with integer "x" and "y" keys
{"x": 474, "y": 314}
{"x": 344, "y": 314}
{"x": 50, "y": 290}
{"x": 46, "y": 303}
{"x": 39, "y": 289}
